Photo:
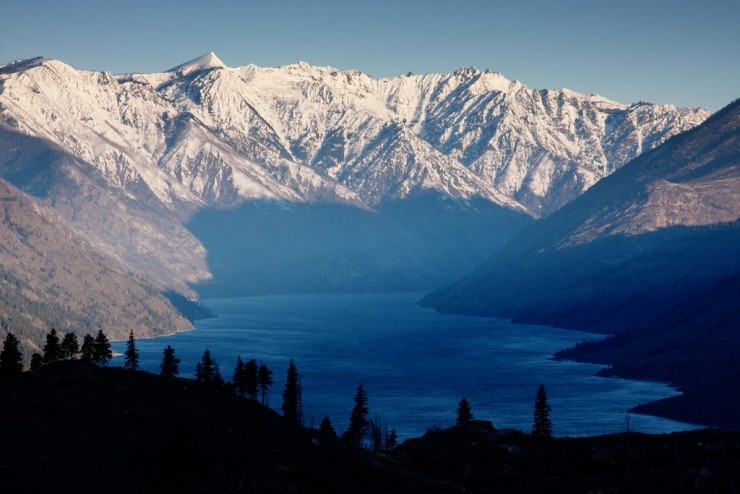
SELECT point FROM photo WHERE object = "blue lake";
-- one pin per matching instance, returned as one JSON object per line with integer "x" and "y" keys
{"x": 416, "y": 364}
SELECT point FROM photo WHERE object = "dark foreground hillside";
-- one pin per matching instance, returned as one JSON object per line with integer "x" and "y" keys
{"x": 483, "y": 460}
{"x": 78, "y": 428}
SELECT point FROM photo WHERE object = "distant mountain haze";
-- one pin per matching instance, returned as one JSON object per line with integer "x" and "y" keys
{"x": 412, "y": 245}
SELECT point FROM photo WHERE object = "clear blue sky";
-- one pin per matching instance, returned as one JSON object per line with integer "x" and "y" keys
{"x": 679, "y": 51}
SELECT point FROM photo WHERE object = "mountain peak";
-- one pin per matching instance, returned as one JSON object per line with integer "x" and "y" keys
{"x": 467, "y": 71}
{"x": 21, "y": 65}
{"x": 208, "y": 61}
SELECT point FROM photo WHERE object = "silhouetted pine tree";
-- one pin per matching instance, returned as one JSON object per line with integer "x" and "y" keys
{"x": 102, "y": 351}
{"x": 218, "y": 380}
{"x": 264, "y": 380}
{"x": 542, "y": 426}
{"x": 251, "y": 381}
{"x": 37, "y": 362}
{"x": 238, "y": 379}
{"x": 392, "y": 440}
{"x": 131, "y": 356}
{"x": 11, "y": 357}
{"x": 206, "y": 371}
{"x": 292, "y": 395}
{"x": 170, "y": 366}
{"x": 87, "y": 352}
{"x": 464, "y": 414}
{"x": 376, "y": 434}
{"x": 326, "y": 429}
{"x": 69, "y": 347}
{"x": 358, "y": 423}
{"x": 52, "y": 348}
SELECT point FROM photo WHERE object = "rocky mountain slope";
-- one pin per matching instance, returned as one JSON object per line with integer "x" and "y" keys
{"x": 649, "y": 253}
{"x": 52, "y": 277}
{"x": 693, "y": 180}
{"x": 138, "y": 231}
{"x": 149, "y": 150}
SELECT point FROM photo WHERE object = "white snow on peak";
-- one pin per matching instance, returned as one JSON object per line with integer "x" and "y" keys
{"x": 307, "y": 133}
{"x": 208, "y": 61}
{"x": 22, "y": 64}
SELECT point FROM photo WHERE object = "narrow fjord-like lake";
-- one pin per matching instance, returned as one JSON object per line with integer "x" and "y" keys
{"x": 416, "y": 364}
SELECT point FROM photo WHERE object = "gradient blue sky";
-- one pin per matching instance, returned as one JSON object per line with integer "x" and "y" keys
{"x": 681, "y": 52}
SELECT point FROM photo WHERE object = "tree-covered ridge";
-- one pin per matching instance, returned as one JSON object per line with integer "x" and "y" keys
{"x": 191, "y": 309}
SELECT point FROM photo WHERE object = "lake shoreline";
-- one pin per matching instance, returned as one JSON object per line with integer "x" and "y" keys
{"x": 310, "y": 327}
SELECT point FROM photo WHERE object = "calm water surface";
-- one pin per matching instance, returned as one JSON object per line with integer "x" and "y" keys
{"x": 416, "y": 364}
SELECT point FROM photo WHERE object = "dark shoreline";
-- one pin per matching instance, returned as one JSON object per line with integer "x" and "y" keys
{"x": 709, "y": 402}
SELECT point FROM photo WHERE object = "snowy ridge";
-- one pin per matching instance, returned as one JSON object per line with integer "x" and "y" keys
{"x": 206, "y": 134}
{"x": 204, "y": 62}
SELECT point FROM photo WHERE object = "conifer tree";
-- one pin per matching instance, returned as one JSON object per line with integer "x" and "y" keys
{"x": 464, "y": 413}
{"x": 264, "y": 380}
{"x": 542, "y": 426}
{"x": 131, "y": 356}
{"x": 326, "y": 429}
{"x": 69, "y": 347}
{"x": 37, "y": 362}
{"x": 52, "y": 348}
{"x": 170, "y": 364}
{"x": 392, "y": 440}
{"x": 376, "y": 435}
{"x": 206, "y": 371}
{"x": 292, "y": 395}
{"x": 87, "y": 351}
{"x": 251, "y": 381}
{"x": 238, "y": 379}
{"x": 11, "y": 357}
{"x": 216, "y": 378}
{"x": 102, "y": 351}
{"x": 358, "y": 423}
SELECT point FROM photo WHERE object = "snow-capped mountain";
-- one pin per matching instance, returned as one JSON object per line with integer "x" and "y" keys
{"x": 129, "y": 159}
{"x": 205, "y": 134}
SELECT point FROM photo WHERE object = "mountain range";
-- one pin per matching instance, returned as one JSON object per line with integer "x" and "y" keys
{"x": 176, "y": 175}
{"x": 205, "y": 134}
